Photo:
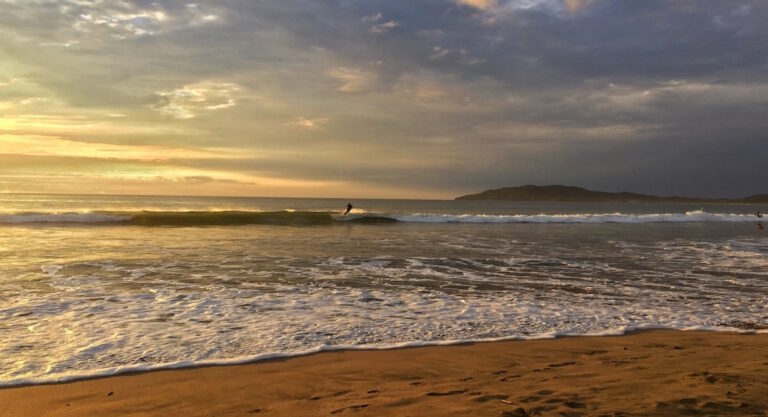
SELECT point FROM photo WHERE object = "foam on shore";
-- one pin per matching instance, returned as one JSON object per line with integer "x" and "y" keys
{"x": 119, "y": 370}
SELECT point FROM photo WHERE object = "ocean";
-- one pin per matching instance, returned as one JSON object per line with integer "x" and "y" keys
{"x": 98, "y": 285}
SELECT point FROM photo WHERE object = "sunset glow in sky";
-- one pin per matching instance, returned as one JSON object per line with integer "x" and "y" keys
{"x": 365, "y": 98}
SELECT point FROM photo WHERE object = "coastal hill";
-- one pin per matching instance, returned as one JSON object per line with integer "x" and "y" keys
{"x": 567, "y": 193}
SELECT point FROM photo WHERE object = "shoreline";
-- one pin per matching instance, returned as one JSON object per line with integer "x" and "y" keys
{"x": 643, "y": 372}
{"x": 135, "y": 369}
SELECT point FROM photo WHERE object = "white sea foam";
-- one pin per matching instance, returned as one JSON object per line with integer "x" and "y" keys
{"x": 77, "y": 217}
{"x": 98, "y": 319}
{"x": 117, "y": 370}
{"x": 81, "y": 302}
{"x": 691, "y": 216}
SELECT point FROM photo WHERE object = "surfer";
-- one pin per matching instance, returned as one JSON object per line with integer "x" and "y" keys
{"x": 348, "y": 208}
{"x": 758, "y": 214}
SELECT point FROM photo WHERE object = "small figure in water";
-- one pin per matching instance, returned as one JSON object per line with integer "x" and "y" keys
{"x": 758, "y": 214}
{"x": 348, "y": 208}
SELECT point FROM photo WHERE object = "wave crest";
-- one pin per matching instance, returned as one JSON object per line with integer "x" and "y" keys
{"x": 319, "y": 218}
{"x": 59, "y": 218}
{"x": 691, "y": 216}
{"x": 232, "y": 218}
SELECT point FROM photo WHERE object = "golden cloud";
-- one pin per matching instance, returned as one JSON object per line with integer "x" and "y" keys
{"x": 576, "y": 5}
{"x": 196, "y": 99}
{"x": 478, "y": 4}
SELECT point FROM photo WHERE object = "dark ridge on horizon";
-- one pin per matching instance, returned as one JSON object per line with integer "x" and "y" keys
{"x": 570, "y": 193}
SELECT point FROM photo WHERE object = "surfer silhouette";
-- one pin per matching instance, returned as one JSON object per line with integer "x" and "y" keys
{"x": 758, "y": 214}
{"x": 348, "y": 208}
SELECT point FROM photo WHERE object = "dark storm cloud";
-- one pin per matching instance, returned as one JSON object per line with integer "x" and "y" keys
{"x": 654, "y": 96}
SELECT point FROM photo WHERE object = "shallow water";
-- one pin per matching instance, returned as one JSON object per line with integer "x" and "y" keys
{"x": 90, "y": 297}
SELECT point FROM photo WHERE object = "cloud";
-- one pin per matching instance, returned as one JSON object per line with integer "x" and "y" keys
{"x": 479, "y": 4}
{"x": 85, "y": 21}
{"x": 309, "y": 124}
{"x": 384, "y": 27}
{"x": 742, "y": 10}
{"x": 439, "y": 52}
{"x": 193, "y": 100}
{"x": 123, "y": 24}
{"x": 67, "y": 44}
{"x": 427, "y": 88}
{"x": 577, "y": 5}
{"x": 625, "y": 90}
{"x": 372, "y": 18}
{"x": 32, "y": 100}
{"x": 39, "y": 145}
{"x": 460, "y": 56}
{"x": 352, "y": 79}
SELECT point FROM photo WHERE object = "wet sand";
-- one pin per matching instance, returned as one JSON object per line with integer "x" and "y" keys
{"x": 650, "y": 373}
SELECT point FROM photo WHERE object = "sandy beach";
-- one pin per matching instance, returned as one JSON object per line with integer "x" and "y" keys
{"x": 656, "y": 373}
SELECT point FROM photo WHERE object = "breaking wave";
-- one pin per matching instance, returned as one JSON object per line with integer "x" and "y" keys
{"x": 319, "y": 218}
{"x": 61, "y": 218}
{"x": 691, "y": 216}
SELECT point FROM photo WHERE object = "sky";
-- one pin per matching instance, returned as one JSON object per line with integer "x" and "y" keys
{"x": 383, "y": 98}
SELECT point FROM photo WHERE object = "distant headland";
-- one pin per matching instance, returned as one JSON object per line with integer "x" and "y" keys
{"x": 568, "y": 193}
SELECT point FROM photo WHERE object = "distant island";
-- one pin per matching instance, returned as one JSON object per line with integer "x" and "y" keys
{"x": 567, "y": 193}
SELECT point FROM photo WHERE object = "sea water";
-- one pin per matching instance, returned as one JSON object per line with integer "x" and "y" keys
{"x": 97, "y": 285}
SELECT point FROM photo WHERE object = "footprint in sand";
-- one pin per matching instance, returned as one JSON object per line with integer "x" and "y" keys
{"x": 517, "y": 412}
{"x": 351, "y": 407}
{"x": 335, "y": 394}
{"x": 559, "y": 365}
{"x": 442, "y": 394}
{"x": 694, "y": 406}
{"x": 575, "y": 404}
{"x": 572, "y": 403}
{"x": 530, "y": 399}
